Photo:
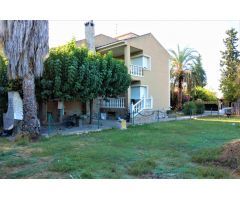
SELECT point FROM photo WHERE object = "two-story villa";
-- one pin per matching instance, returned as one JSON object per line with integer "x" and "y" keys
{"x": 148, "y": 64}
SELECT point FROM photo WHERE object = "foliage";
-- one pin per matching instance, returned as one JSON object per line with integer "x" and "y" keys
{"x": 3, "y": 87}
{"x": 3, "y": 75}
{"x": 197, "y": 77}
{"x": 204, "y": 94}
{"x": 186, "y": 68}
{"x": 115, "y": 77}
{"x": 174, "y": 99}
{"x": 229, "y": 83}
{"x": 200, "y": 107}
{"x": 67, "y": 74}
{"x": 59, "y": 72}
{"x": 193, "y": 107}
{"x": 73, "y": 73}
{"x": 189, "y": 108}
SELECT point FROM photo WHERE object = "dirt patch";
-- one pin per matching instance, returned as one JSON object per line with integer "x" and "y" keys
{"x": 230, "y": 156}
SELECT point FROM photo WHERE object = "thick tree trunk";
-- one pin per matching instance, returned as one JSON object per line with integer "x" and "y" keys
{"x": 90, "y": 109}
{"x": 31, "y": 123}
{"x": 180, "y": 94}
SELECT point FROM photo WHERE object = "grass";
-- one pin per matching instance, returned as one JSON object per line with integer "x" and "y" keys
{"x": 176, "y": 149}
{"x": 14, "y": 162}
{"x": 204, "y": 156}
{"x": 209, "y": 172}
{"x": 141, "y": 167}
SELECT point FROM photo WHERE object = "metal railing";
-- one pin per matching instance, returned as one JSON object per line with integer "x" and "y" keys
{"x": 136, "y": 70}
{"x": 113, "y": 102}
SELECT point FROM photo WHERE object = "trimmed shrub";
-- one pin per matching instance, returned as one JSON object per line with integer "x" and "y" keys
{"x": 204, "y": 94}
{"x": 189, "y": 108}
{"x": 200, "y": 107}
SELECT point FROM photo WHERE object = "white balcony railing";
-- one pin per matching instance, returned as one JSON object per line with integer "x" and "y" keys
{"x": 112, "y": 102}
{"x": 144, "y": 103}
{"x": 136, "y": 70}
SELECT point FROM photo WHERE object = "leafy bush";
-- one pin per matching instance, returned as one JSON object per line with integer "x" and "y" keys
{"x": 189, "y": 108}
{"x": 200, "y": 107}
{"x": 74, "y": 73}
{"x": 204, "y": 94}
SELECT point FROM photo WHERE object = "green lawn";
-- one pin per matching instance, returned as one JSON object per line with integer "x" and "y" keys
{"x": 177, "y": 149}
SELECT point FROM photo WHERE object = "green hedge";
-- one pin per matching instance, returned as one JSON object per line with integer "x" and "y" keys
{"x": 200, "y": 107}
{"x": 189, "y": 108}
{"x": 192, "y": 107}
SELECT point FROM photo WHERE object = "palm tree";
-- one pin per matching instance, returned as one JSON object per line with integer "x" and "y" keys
{"x": 181, "y": 66}
{"x": 25, "y": 44}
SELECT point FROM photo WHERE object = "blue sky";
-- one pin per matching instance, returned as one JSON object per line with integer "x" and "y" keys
{"x": 204, "y": 36}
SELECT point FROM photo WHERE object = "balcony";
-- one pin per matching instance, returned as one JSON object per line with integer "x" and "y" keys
{"x": 136, "y": 70}
{"x": 112, "y": 102}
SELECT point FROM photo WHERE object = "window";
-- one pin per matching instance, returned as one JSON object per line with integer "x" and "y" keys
{"x": 146, "y": 62}
{"x": 139, "y": 92}
{"x": 137, "y": 61}
{"x": 142, "y": 61}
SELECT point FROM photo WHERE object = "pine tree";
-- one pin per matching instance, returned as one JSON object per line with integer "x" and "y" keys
{"x": 229, "y": 67}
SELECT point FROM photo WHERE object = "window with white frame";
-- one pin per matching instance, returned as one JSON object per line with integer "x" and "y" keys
{"x": 142, "y": 61}
{"x": 146, "y": 62}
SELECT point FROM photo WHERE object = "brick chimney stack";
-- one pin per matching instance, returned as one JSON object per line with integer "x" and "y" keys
{"x": 90, "y": 35}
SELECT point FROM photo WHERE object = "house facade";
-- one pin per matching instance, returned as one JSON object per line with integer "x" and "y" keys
{"x": 148, "y": 63}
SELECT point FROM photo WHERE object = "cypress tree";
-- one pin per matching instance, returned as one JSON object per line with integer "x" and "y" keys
{"x": 229, "y": 67}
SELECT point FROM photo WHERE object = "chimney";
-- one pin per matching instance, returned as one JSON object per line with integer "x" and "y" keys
{"x": 89, "y": 35}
